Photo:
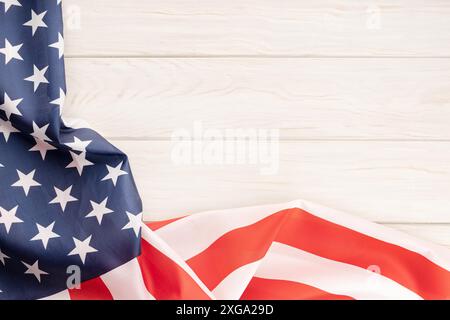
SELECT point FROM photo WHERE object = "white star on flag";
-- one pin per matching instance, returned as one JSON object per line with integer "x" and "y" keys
{"x": 134, "y": 222}
{"x": 3, "y": 257}
{"x": 26, "y": 181}
{"x": 82, "y": 248}
{"x": 78, "y": 145}
{"x": 99, "y": 210}
{"x": 34, "y": 270}
{"x": 6, "y": 128}
{"x": 114, "y": 173}
{"x": 45, "y": 234}
{"x": 60, "y": 101}
{"x": 79, "y": 161}
{"x": 10, "y": 106}
{"x": 40, "y": 132}
{"x": 63, "y": 197}
{"x": 38, "y": 77}
{"x": 8, "y": 217}
{"x": 11, "y": 52}
{"x": 59, "y": 45}
{"x": 42, "y": 147}
{"x": 36, "y": 21}
{"x": 9, "y": 3}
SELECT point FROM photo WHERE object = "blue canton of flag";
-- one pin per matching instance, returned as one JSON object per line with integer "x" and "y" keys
{"x": 67, "y": 196}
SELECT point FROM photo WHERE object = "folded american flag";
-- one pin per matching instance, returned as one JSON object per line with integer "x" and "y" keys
{"x": 68, "y": 202}
{"x": 67, "y": 196}
{"x": 296, "y": 250}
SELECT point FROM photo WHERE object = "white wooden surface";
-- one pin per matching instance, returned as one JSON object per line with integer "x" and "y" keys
{"x": 261, "y": 27}
{"x": 374, "y": 99}
{"x": 360, "y": 91}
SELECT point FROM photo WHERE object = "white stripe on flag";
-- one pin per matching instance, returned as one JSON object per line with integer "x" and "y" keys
{"x": 234, "y": 285}
{"x": 126, "y": 282}
{"x": 437, "y": 254}
{"x": 284, "y": 262}
{"x": 154, "y": 240}
{"x": 191, "y": 235}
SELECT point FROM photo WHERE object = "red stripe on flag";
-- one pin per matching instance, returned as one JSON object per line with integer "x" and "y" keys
{"x": 300, "y": 229}
{"x": 267, "y": 289}
{"x": 94, "y": 289}
{"x": 165, "y": 279}
{"x": 310, "y": 233}
{"x": 233, "y": 250}
{"x": 155, "y": 225}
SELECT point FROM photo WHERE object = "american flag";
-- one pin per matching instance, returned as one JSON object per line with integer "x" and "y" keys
{"x": 296, "y": 250}
{"x": 68, "y": 199}
{"x": 66, "y": 195}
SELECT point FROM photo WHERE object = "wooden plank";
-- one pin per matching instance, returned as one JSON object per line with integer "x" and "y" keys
{"x": 304, "y": 98}
{"x": 255, "y": 27}
{"x": 380, "y": 181}
{"x": 439, "y": 234}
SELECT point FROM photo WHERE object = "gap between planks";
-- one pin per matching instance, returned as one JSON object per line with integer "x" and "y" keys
{"x": 260, "y": 56}
{"x": 281, "y": 139}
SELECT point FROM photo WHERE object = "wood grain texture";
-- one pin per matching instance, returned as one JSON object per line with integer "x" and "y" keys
{"x": 381, "y": 181}
{"x": 360, "y": 94}
{"x": 377, "y": 99}
{"x": 258, "y": 27}
{"x": 431, "y": 232}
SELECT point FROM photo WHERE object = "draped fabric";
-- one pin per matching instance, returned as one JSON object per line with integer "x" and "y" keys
{"x": 70, "y": 212}
{"x": 66, "y": 195}
{"x": 296, "y": 250}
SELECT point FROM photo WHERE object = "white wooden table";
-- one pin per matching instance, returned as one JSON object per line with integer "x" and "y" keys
{"x": 359, "y": 91}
